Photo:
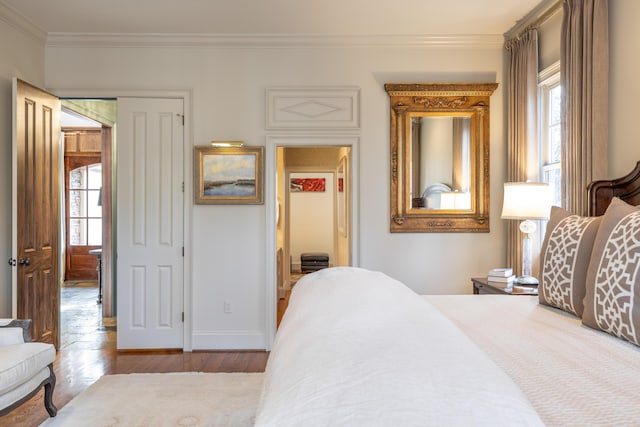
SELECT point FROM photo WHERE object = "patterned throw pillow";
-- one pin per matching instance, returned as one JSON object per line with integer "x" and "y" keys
{"x": 612, "y": 302}
{"x": 565, "y": 256}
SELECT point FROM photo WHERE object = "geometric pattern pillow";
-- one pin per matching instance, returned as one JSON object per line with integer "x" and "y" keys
{"x": 612, "y": 301}
{"x": 564, "y": 258}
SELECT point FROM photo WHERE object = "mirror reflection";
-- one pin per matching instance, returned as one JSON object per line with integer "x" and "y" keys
{"x": 441, "y": 162}
{"x": 439, "y": 157}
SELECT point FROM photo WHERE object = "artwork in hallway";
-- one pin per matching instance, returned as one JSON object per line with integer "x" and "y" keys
{"x": 307, "y": 184}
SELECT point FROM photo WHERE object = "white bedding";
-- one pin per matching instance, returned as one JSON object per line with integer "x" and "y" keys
{"x": 573, "y": 375}
{"x": 357, "y": 348}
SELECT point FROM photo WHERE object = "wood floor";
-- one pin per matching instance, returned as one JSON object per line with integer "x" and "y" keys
{"x": 83, "y": 358}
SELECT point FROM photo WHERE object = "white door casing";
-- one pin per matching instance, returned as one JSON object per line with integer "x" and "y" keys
{"x": 150, "y": 236}
{"x": 271, "y": 205}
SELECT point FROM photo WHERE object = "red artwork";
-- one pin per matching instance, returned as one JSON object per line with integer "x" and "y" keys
{"x": 307, "y": 184}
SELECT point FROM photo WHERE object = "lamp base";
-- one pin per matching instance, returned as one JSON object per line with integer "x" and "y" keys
{"x": 526, "y": 280}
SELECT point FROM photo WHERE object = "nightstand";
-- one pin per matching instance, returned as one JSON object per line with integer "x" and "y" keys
{"x": 482, "y": 286}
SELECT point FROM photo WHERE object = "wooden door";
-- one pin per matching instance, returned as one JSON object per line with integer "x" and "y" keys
{"x": 83, "y": 216}
{"x": 150, "y": 223}
{"x": 36, "y": 154}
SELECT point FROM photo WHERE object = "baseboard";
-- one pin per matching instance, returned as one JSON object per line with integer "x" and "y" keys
{"x": 228, "y": 340}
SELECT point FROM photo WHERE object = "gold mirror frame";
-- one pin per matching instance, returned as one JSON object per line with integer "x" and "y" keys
{"x": 412, "y": 100}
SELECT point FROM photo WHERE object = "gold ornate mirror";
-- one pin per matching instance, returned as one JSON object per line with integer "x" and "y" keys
{"x": 440, "y": 156}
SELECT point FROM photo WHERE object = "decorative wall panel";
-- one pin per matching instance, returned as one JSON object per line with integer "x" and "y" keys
{"x": 313, "y": 108}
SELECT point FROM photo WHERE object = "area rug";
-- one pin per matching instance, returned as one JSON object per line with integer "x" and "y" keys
{"x": 177, "y": 399}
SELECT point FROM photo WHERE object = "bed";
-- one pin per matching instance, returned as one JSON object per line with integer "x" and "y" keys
{"x": 358, "y": 348}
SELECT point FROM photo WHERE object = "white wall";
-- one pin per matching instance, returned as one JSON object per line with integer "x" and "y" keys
{"x": 311, "y": 219}
{"x": 228, "y": 84}
{"x": 22, "y": 56}
{"x": 228, "y": 90}
{"x": 436, "y": 136}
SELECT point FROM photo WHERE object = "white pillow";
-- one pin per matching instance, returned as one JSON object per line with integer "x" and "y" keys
{"x": 9, "y": 336}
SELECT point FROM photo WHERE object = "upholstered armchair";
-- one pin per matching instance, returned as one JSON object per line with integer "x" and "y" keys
{"x": 25, "y": 367}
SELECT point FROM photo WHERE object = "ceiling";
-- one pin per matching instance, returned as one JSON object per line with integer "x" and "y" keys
{"x": 317, "y": 17}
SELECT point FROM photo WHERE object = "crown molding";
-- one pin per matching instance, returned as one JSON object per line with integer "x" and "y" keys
{"x": 536, "y": 17}
{"x": 98, "y": 40}
{"x": 22, "y": 24}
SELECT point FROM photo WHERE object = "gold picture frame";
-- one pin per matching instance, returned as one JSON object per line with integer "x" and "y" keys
{"x": 228, "y": 175}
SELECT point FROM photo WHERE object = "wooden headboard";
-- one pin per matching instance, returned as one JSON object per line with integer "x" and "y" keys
{"x": 626, "y": 188}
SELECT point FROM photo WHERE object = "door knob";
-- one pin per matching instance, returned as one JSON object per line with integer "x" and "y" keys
{"x": 24, "y": 261}
{"x": 12, "y": 262}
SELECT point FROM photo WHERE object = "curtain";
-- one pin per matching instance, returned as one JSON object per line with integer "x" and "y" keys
{"x": 522, "y": 125}
{"x": 584, "y": 76}
{"x": 461, "y": 156}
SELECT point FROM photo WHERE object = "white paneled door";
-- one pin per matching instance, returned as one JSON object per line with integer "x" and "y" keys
{"x": 150, "y": 223}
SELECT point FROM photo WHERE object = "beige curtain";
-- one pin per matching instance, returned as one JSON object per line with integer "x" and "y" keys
{"x": 460, "y": 154}
{"x": 584, "y": 75}
{"x": 522, "y": 125}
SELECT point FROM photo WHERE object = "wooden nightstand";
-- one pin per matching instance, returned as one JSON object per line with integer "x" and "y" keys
{"x": 482, "y": 286}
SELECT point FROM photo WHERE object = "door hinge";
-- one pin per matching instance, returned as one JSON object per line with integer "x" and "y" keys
{"x": 183, "y": 186}
{"x": 183, "y": 317}
{"x": 183, "y": 251}
{"x": 182, "y": 117}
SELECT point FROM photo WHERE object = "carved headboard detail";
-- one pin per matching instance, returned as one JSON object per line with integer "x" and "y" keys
{"x": 626, "y": 188}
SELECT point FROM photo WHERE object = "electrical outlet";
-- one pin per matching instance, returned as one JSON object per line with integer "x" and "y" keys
{"x": 227, "y": 306}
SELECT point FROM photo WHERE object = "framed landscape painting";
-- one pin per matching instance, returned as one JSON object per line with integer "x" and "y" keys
{"x": 228, "y": 175}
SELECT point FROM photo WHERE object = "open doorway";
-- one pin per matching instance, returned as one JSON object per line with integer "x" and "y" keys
{"x": 87, "y": 311}
{"x": 314, "y": 211}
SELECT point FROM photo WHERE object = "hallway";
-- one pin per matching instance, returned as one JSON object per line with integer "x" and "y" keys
{"x": 81, "y": 323}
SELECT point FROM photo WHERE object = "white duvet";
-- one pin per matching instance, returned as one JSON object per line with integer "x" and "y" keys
{"x": 573, "y": 375}
{"x": 357, "y": 348}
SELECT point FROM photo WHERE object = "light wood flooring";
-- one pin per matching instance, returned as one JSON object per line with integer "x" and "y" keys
{"x": 88, "y": 351}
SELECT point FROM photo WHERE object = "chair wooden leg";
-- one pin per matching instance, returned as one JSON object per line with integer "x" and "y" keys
{"x": 48, "y": 393}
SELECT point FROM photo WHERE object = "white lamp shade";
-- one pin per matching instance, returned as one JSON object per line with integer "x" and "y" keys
{"x": 455, "y": 200}
{"x": 526, "y": 200}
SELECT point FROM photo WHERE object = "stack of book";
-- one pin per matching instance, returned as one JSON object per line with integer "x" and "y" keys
{"x": 501, "y": 275}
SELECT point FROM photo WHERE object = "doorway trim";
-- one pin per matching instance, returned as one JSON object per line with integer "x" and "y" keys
{"x": 187, "y": 97}
{"x": 271, "y": 206}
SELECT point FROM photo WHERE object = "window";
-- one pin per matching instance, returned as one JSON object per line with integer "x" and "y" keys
{"x": 85, "y": 207}
{"x": 550, "y": 92}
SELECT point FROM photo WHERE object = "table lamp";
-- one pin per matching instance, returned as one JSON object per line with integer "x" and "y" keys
{"x": 526, "y": 201}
